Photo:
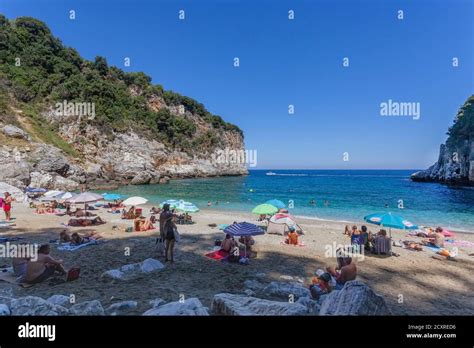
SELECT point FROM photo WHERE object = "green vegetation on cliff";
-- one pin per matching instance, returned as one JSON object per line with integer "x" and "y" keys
{"x": 40, "y": 71}
{"x": 463, "y": 128}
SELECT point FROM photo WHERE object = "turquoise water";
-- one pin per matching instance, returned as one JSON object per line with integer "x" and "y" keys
{"x": 352, "y": 194}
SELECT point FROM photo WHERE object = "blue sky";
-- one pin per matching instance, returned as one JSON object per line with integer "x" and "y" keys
{"x": 297, "y": 62}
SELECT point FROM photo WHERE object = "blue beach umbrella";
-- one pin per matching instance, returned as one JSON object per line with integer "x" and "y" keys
{"x": 243, "y": 229}
{"x": 276, "y": 203}
{"x": 391, "y": 221}
{"x": 112, "y": 196}
{"x": 36, "y": 190}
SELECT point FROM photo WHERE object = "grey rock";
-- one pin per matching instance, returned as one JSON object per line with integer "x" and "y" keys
{"x": 87, "y": 308}
{"x": 312, "y": 305}
{"x": 191, "y": 306}
{"x": 231, "y": 304}
{"x": 133, "y": 271}
{"x": 355, "y": 298}
{"x": 285, "y": 289}
{"x": 14, "y": 191}
{"x": 254, "y": 285}
{"x": 36, "y": 306}
{"x": 156, "y": 302}
{"x": 15, "y": 132}
{"x": 121, "y": 308}
{"x": 60, "y": 300}
{"x": 4, "y": 310}
{"x": 141, "y": 178}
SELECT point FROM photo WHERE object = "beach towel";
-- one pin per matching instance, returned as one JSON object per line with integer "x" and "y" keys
{"x": 460, "y": 243}
{"x": 217, "y": 255}
{"x": 9, "y": 239}
{"x": 300, "y": 244}
{"x": 70, "y": 247}
{"x": 7, "y": 275}
{"x": 433, "y": 248}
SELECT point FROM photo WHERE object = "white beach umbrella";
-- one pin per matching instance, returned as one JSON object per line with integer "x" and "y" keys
{"x": 85, "y": 197}
{"x": 135, "y": 201}
{"x": 52, "y": 193}
{"x": 65, "y": 195}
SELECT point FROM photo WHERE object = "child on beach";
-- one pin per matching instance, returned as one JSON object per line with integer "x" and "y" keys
{"x": 320, "y": 285}
{"x": 292, "y": 237}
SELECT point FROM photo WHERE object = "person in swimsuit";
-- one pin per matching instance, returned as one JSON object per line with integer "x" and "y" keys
{"x": 44, "y": 267}
{"x": 7, "y": 205}
{"x": 345, "y": 271}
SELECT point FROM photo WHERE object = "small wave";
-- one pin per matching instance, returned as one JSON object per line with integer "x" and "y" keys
{"x": 289, "y": 175}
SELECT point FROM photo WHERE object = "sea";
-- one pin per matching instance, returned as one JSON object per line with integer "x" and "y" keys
{"x": 339, "y": 195}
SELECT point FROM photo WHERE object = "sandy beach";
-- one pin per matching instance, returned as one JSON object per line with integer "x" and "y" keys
{"x": 427, "y": 286}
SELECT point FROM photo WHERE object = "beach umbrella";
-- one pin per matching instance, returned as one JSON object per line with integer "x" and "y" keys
{"x": 265, "y": 209}
{"x": 112, "y": 196}
{"x": 65, "y": 196}
{"x": 36, "y": 190}
{"x": 391, "y": 221}
{"x": 282, "y": 218}
{"x": 187, "y": 207}
{"x": 52, "y": 193}
{"x": 277, "y": 203}
{"x": 135, "y": 201}
{"x": 243, "y": 229}
{"x": 173, "y": 203}
{"x": 85, "y": 197}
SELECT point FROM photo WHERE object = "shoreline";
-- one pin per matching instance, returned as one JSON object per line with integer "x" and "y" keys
{"x": 430, "y": 287}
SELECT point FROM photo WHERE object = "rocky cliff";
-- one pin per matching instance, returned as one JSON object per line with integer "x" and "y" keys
{"x": 455, "y": 163}
{"x": 66, "y": 121}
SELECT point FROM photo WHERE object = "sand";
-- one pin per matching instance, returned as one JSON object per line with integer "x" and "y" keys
{"x": 412, "y": 284}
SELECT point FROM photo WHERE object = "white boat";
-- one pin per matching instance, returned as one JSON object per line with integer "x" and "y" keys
{"x": 270, "y": 173}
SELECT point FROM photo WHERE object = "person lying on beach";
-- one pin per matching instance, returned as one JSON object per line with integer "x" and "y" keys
{"x": 292, "y": 237}
{"x": 228, "y": 243}
{"x": 82, "y": 213}
{"x": 320, "y": 285}
{"x": 435, "y": 239}
{"x": 76, "y": 238}
{"x": 41, "y": 209}
{"x": 411, "y": 245}
{"x": 44, "y": 267}
{"x": 155, "y": 210}
{"x": 86, "y": 222}
{"x": 345, "y": 271}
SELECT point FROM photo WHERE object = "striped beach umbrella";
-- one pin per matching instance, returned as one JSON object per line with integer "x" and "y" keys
{"x": 243, "y": 229}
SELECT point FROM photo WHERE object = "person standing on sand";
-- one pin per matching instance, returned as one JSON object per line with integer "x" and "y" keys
{"x": 165, "y": 216}
{"x": 7, "y": 205}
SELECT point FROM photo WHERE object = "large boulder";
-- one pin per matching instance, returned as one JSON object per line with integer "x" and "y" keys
{"x": 36, "y": 306}
{"x": 17, "y": 172}
{"x": 285, "y": 290}
{"x": 64, "y": 184}
{"x": 133, "y": 271}
{"x": 121, "y": 308}
{"x": 191, "y": 306}
{"x": 49, "y": 159}
{"x": 15, "y": 132}
{"x": 141, "y": 178}
{"x": 14, "y": 191}
{"x": 312, "y": 305}
{"x": 230, "y": 304}
{"x": 355, "y": 298}
{"x": 41, "y": 180}
{"x": 87, "y": 308}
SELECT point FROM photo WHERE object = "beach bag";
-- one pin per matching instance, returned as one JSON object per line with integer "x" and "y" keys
{"x": 177, "y": 237}
{"x": 73, "y": 274}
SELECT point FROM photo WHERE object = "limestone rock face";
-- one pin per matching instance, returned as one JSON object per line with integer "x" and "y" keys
{"x": 15, "y": 132}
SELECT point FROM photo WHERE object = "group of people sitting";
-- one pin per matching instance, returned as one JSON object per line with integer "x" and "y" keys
{"x": 333, "y": 278}
{"x": 233, "y": 247}
{"x": 365, "y": 240}
{"x": 184, "y": 219}
{"x": 131, "y": 214}
{"x": 50, "y": 208}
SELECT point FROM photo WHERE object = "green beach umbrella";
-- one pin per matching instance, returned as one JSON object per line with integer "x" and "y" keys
{"x": 265, "y": 209}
